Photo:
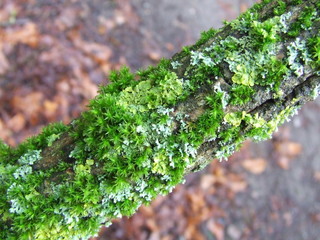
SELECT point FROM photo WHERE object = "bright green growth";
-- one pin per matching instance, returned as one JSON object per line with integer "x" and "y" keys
{"x": 205, "y": 36}
{"x": 262, "y": 129}
{"x": 240, "y": 94}
{"x": 281, "y": 8}
{"x": 314, "y": 48}
{"x": 234, "y": 118}
{"x": 120, "y": 80}
{"x": 304, "y": 21}
{"x": 144, "y": 96}
{"x": 134, "y": 143}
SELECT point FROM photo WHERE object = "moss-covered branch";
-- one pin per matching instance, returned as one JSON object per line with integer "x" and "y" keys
{"x": 144, "y": 132}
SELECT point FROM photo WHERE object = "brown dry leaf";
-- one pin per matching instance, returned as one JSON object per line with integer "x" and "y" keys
{"x": 27, "y": 34}
{"x": 207, "y": 181}
{"x": 17, "y": 123}
{"x": 89, "y": 89}
{"x": 197, "y": 201}
{"x": 66, "y": 19}
{"x": 5, "y": 133}
{"x": 315, "y": 217}
{"x": 216, "y": 229}
{"x": 284, "y": 162}
{"x": 30, "y": 105}
{"x": 220, "y": 175}
{"x": 146, "y": 211}
{"x": 126, "y": 14}
{"x": 236, "y": 183}
{"x": 243, "y": 7}
{"x": 287, "y": 148}
{"x": 255, "y": 165}
{"x": 316, "y": 176}
{"x": 50, "y": 109}
{"x": 192, "y": 233}
{"x": 4, "y": 63}
{"x": 2, "y": 130}
{"x": 152, "y": 225}
{"x": 167, "y": 237}
{"x": 99, "y": 53}
{"x": 154, "y": 56}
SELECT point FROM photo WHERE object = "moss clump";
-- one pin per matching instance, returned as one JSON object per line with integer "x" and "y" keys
{"x": 205, "y": 36}
{"x": 134, "y": 143}
{"x": 240, "y": 94}
{"x": 304, "y": 21}
{"x": 314, "y": 49}
{"x": 280, "y": 8}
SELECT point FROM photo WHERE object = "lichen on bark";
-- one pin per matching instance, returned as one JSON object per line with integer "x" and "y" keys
{"x": 145, "y": 131}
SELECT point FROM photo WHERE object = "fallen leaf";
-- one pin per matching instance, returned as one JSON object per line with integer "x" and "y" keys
{"x": 98, "y": 52}
{"x": 125, "y": 13}
{"x": 30, "y": 105}
{"x": 236, "y": 183}
{"x": 243, "y": 7}
{"x": 66, "y": 19}
{"x": 284, "y": 162}
{"x": 167, "y": 237}
{"x": 50, "y": 109}
{"x": 17, "y": 122}
{"x": 27, "y": 34}
{"x": 207, "y": 181}
{"x": 154, "y": 56}
{"x": 316, "y": 176}
{"x": 287, "y": 148}
{"x": 216, "y": 229}
{"x": 4, "y": 63}
{"x": 315, "y": 217}
{"x": 255, "y": 166}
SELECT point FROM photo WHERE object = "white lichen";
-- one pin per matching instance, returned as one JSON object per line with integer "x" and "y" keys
{"x": 22, "y": 172}
{"x": 30, "y": 157}
{"x": 175, "y": 64}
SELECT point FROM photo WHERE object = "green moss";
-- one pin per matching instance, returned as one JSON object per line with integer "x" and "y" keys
{"x": 146, "y": 96}
{"x": 304, "y": 21}
{"x": 120, "y": 80}
{"x": 132, "y": 144}
{"x": 244, "y": 75}
{"x": 272, "y": 73}
{"x": 262, "y": 129}
{"x": 234, "y": 118}
{"x": 240, "y": 94}
{"x": 314, "y": 50}
{"x": 280, "y": 8}
{"x": 208, "y": 123}
{"x": 266, "y": 32}
{"x": 205, "y": 36}
{"x": 295, "y": 2}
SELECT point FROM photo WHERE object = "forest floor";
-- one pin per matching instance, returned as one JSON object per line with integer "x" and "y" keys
{"x": 53, "y": 56}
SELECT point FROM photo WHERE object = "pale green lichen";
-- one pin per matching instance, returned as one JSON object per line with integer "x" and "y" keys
{"x": 136, "y": 143}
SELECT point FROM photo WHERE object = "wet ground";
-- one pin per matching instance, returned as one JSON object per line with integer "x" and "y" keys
{"x": 53, "y": 54}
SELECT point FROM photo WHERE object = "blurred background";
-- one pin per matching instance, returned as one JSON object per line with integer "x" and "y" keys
{"x": 55, "y": 53}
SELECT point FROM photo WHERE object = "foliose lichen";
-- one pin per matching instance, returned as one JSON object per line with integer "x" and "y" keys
{"x": 134, "y": 143}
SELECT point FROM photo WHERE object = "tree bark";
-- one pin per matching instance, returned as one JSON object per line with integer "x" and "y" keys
{"x": 271, "y": 51}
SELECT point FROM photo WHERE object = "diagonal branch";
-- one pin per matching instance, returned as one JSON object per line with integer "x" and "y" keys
{"x": 144, "y": 132}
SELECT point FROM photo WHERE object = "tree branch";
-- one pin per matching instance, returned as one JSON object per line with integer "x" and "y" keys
{"x": 144, "y": 132}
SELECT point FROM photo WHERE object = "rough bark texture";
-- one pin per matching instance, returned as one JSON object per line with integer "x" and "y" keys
{"x": 291, "y": 38}
{"x": 263, "y": 103}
